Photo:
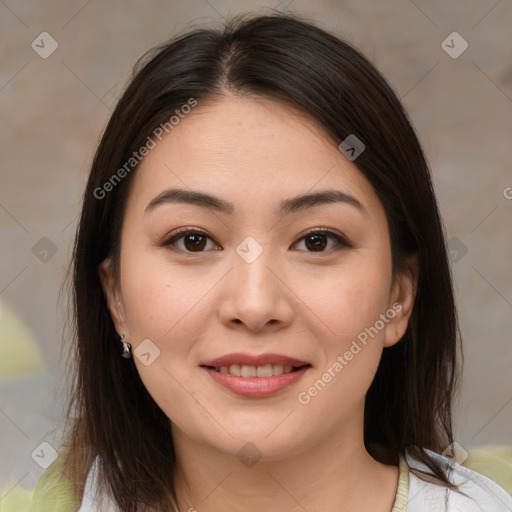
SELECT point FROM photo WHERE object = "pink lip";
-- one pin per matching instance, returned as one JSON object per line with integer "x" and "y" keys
{"x": 257, "y": 387}
{"x": 249, "y": 360}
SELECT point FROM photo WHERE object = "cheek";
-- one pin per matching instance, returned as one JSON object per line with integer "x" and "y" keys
{"x": 165, "y": 307}
{"x": 160, "y": 302}
{"x": 352, "y": 349}
{"x": 346, "y": 301}
{"x": 347, "y": 307}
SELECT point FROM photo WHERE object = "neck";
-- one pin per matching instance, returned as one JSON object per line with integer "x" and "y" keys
{"x": 337, "y": 475}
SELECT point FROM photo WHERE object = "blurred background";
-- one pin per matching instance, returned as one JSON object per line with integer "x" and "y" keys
{"x": 64, "y": 65}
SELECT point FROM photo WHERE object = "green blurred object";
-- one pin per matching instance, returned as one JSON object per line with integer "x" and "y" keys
{"x": 15, "y": 498}
{"x": 493, "y": 461}
{"x": 19, "y": 351}
{"x": 54, "y": 492}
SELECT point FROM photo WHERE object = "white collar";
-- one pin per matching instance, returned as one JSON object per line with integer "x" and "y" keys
{"x": 484, "y": 495}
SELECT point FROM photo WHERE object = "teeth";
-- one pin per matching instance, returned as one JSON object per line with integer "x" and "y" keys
{"x": 234, "y": 369}
{"x": 268, "y": 370}
{"x": 265, "y": 371}
{"x": 278, "y": 369}
{"x": 248, "y": 371}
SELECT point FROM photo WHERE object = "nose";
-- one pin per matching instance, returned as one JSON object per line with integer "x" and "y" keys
{"x": 256, "y": 295}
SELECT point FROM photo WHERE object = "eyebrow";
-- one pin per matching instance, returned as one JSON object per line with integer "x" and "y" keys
{"x": 286, "y": 207}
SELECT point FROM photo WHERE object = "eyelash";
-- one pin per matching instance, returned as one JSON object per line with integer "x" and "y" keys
{"x": 342, "y": 243}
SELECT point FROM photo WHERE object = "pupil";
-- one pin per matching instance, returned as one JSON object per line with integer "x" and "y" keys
{"x": 197, "y": 241}
{"x": 318, "y": 244}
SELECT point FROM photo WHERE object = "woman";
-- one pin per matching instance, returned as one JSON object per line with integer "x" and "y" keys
{"x": 264, "y": 308}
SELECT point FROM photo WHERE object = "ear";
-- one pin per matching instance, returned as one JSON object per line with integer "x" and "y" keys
{"x": 112, "y": 295}
{"x": 403, "y": 293}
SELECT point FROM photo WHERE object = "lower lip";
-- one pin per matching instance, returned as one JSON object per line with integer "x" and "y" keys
{"x": 257, "y": 387}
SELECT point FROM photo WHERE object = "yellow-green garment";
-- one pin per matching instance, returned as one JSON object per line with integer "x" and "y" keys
{"x": 54, "y": 494}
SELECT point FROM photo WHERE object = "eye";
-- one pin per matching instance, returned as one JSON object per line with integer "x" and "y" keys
{"x": 196, "y": 240}
{"x": 193, "y": 240}
{"x": 316, "y": 240}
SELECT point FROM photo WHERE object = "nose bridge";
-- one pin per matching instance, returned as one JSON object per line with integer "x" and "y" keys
{"x": 252, "y": 262}
{"x": 256, "y": 295}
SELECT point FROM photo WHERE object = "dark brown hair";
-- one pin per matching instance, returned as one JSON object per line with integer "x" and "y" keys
{"x": 408, "y": 405}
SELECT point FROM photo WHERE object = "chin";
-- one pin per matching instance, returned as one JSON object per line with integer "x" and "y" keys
{"x": 260, "y": 443}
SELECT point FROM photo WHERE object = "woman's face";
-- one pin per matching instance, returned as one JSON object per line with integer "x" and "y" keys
{"x": 216, "y": 316}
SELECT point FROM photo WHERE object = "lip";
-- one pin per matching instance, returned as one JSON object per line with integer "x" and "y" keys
{"x": 250, "y": 360}
{"x": 257, "y": 387}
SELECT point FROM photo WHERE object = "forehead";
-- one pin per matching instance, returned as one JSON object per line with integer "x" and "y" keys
{"x": 249, "y": 148}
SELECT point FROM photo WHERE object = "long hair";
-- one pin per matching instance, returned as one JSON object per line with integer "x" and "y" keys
{"x": 408, "y": 405}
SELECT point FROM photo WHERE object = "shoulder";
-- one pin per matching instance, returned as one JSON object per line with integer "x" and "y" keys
{"x": 54, "y": 492}
{"x": 481, "y": 494}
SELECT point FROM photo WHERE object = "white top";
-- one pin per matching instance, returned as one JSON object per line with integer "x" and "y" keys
{"x": 484, "y": 495}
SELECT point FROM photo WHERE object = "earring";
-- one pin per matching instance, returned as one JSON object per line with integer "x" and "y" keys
{"x": 127, "y": 348}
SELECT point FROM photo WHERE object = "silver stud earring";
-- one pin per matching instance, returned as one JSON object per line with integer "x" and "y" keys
{"x": 127, "y": 348}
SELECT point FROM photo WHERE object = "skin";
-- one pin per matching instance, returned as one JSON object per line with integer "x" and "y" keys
{"x": 194, "y": 306}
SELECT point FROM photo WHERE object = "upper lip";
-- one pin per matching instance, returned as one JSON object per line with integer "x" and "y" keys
{"x": 250, "y": 360}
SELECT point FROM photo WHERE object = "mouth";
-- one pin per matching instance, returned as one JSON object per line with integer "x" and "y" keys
{"x": 256, "y": 376}
{"x": 262, "y": 371}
